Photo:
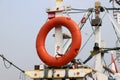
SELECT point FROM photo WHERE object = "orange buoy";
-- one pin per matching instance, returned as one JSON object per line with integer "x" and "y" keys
{"x": 73, "y": 50}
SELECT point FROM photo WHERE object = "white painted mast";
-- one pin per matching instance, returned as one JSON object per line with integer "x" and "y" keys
{"x": 98, "y": 59}
{"x": 60, "y": 74}
{"x": 58, "y": 30}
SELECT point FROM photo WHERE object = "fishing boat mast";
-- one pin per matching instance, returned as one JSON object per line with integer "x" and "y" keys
{"x": 98, "y": 61}
{"x": 58, "y": 30}
{"x": 67, "y": 71}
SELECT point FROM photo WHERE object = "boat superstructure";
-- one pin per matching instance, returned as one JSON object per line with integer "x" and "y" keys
{"x": 64, "y": 65}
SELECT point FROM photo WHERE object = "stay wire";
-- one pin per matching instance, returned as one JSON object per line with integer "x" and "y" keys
{"x": 88, "y": 10}
{"x": 112, "y": 24}
{"x": 116, "y": 33}
{"x": 7, "y": 67}
{"x": 74, "y": 12}
{"x": 90, "y": 57}
{"x": 112, "y": 62}
{"x": 105, "y": 65}
{"x": 85, "y": 10}
{"x": 91, "y": 34}
{"x": 4, "y": 59}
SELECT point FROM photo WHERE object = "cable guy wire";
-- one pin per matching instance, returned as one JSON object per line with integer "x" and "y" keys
{"x": 6, "y": 66}
{"x": 4, "y": 59}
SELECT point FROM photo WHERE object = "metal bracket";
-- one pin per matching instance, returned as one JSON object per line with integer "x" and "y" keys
{"x": 58, "y": 9}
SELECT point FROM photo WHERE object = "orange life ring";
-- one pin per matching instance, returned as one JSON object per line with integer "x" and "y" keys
{"x": 73, "y": 50}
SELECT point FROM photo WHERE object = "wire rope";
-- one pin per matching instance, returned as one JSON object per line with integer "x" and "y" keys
{"x": 91, "y": 34}
{"x": 6, "y": 66}
{"x": 4, "y": 59}
{"x": 85, "y": 10}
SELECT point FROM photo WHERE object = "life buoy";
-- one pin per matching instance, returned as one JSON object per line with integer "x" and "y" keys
{"x": 73, "y": 50}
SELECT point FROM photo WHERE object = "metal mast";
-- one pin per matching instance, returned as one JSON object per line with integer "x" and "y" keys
{"x": 58, "y": 30}
{"x": 98, "y": 60}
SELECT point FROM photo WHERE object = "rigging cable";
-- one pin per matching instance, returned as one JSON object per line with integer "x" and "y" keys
{"x": 105, "y": 65}
{"x": 90, "y": 57}
{"x": 88, "y": 10}
{"x": 116, "y": 33}
{"x": 112, "y": 62}
{"x": 4, "y": 59}
{"x": 84, "y": 10}
{"x": 113, "y": 6}
{"x": 76, "y": 11}
{"x": 91, "y": 35}
{"x": 7, "y": 67}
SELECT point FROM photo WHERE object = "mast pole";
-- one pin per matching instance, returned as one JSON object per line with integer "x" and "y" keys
{"x": 98, "y": 59}
{"x": 58, "y": 30}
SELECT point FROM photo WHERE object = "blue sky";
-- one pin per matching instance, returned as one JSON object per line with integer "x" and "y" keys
{"x": 20, "y": 21}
